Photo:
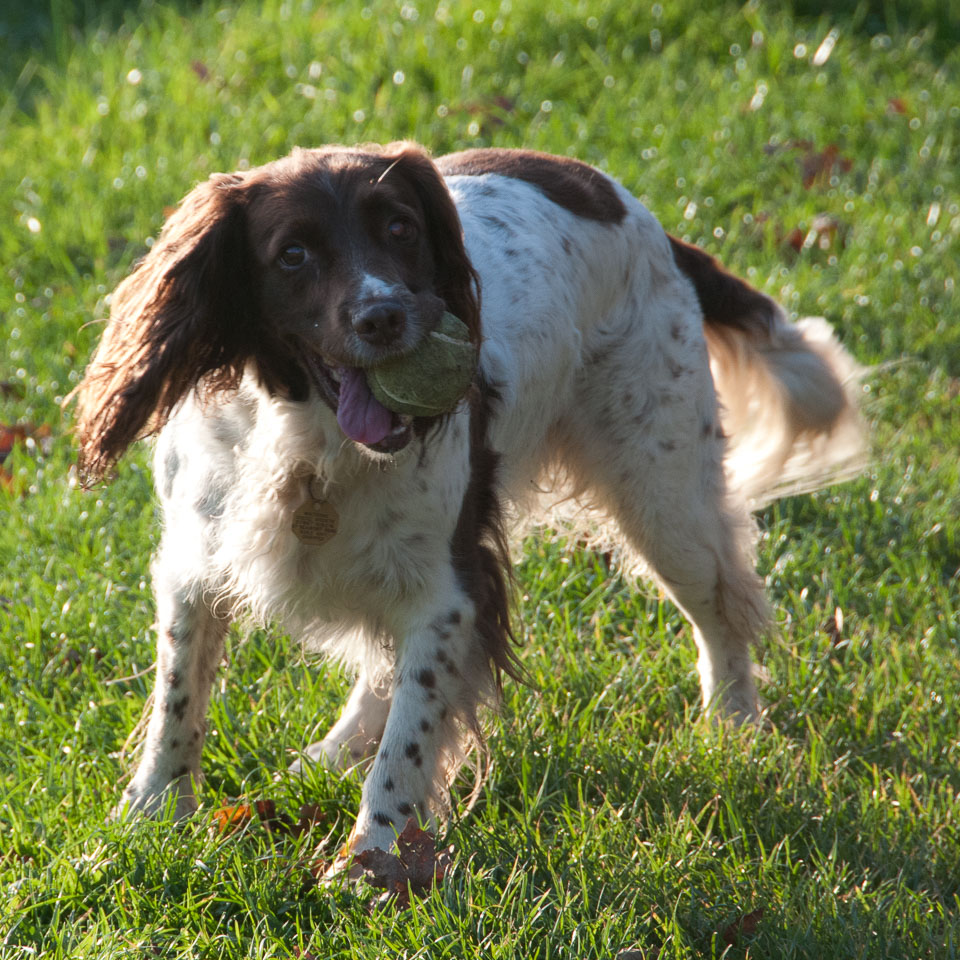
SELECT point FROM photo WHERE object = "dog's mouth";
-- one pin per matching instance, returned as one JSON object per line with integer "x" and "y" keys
{"x": 359, "y": 414}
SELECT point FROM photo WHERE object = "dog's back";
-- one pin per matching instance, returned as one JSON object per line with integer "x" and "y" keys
{"x": 562, "y": 290}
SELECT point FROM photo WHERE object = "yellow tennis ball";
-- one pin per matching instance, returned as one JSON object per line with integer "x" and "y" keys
{"x": 432, "y": 379}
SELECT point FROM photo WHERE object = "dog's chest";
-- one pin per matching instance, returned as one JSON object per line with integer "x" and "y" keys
{"x": 375, "y": 534}
{"x": 308, "y": 537}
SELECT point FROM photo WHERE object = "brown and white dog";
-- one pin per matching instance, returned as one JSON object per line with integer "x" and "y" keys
{"x": 290, "y": 494}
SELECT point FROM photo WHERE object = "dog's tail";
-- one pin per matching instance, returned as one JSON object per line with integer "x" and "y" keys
{"x": 788, "y": 390}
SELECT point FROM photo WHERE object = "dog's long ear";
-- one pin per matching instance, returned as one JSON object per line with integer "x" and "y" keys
{"x": 184, "y": 318}
{"x": 456, "y": 280}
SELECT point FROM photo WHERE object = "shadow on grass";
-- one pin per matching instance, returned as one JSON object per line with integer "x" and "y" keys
{"x": 894, "y": 17}
{"x": 46, "y": 32}
{"x": 43, "y": 34}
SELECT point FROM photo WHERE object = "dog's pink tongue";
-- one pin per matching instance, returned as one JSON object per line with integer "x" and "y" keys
{"x": 361, "y": 416}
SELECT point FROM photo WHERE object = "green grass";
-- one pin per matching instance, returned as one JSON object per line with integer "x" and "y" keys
{"x": 613, "y": 817}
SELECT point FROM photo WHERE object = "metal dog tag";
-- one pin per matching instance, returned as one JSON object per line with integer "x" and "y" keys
{"x": 315, "y": 522}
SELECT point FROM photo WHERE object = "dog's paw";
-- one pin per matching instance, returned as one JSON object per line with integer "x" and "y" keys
{"x": 142, "y": 801}
{"x": 324, "y": 752}
{"x": 343, "y": 870}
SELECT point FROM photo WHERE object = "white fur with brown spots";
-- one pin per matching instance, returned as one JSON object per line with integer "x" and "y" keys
{"x": 595, "y": 379}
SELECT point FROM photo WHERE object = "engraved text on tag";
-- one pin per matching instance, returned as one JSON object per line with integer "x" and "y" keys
{"x": 315, "y": 522}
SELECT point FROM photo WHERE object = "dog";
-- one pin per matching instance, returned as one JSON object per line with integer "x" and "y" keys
{"x": 291, "y": 495}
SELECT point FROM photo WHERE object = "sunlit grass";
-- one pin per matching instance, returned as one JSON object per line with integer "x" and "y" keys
{"x": 612, "y": 818}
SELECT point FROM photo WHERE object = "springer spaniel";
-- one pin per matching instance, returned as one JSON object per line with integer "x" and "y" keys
{"x": 290, "y": 494}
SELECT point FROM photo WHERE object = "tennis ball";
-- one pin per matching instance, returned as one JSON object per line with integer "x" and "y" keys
{"x": 430, "y": 380}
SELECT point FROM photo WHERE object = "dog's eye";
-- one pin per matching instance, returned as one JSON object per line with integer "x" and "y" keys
{"x": 292, "y": 256}
{"x": 402, "y": 230}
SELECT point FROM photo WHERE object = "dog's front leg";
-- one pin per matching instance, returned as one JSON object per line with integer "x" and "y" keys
{"x": 356, "y": 734}
{"x": 189, "y": 649}
{"x": 438, "y": 682}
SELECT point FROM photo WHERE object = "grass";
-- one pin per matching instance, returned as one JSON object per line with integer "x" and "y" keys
{"x": 613, "y": 818}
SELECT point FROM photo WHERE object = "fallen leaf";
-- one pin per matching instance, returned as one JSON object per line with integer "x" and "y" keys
{"x": 232, "y": 819}
{"x": 414, "y": 869}
{"x": 745, "y": 926}
{"x": 10, "y": 436}
{"x": 818, "y": 167}
{"x": 491, "y": 112}
{"x": 21, "y": 434}
{"x": 795, "y": 239}
{"x": 279, "y": 824}
{"x": 311, "y": 815}
{"x": 823, "y": 231}
{"x": 833, "y": 627}
{"x": 896, "y": 105}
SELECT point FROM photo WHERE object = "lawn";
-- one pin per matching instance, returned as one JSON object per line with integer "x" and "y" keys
{"x": 819, "y": 155}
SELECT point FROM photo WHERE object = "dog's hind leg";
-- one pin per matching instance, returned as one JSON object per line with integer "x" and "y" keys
{"x": 357, "y": 732}
{"x": 190, "y": 639}
{"x": 644, "y": 441}
{"x": 699, "y": 554}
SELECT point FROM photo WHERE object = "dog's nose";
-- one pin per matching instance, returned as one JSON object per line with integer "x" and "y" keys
{"x": 380, "y": 323}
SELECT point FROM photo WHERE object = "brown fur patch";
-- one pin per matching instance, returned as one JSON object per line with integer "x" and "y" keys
{"x": 481, "y": 556}
{"x": 726, "y": 300}
{"x": 183, "y": 320}
{"x": 569, "y": 183}
{"x": 192, "y": 315}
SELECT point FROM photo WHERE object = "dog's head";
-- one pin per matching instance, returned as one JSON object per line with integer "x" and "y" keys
{"x": 308, "y": 269}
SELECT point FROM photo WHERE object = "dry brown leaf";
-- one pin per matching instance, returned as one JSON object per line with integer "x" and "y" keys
{"x": 414, "y": 869}
{"x": 818, "y": 167}
{"x": 823, "y": 231}
{"x": 491, "y": 112}
{"x": 10, "y": 436}
{"x": 311, "y": 815}
{"x": 279, "y": 824}
{"x": 833, "y": 627}
{"x": 233, "y": 818}
{"x": 20, "y": 434}
{"x": 795, "y": 239}
{"x": 745, "y": 926}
